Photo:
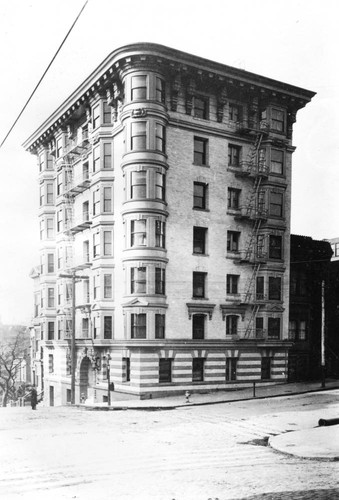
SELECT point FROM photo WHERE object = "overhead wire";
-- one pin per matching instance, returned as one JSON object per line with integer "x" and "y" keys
{"x": 44, "y": 74}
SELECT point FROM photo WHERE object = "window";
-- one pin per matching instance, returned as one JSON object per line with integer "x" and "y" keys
{"x": 274, "y": 288}
{"x": 160, "y": 281}
{"x": 85, "y": 250}
{"x": 273, "y": 328}
{"x": 160, "y": 234}
{"x": 165, "y": 371}
{"x": 198, "y": 326}
{"x": 275, "y": 247}
{"x": 85, "y": 284}
{"x": 138, "y": 233}
{"x": 159, "y": 326}
{"x": 59, "y": 147}
{"x": 107, "y": 199}
{"x": 260, "y": 246}
{"x": 160, "y": 186}
{"x": 159, "y": 89}
{"x": 138, "y": 185}
{"x": 50, "y": 262}
{"x": 278, "y": 120}
{"x": 265, "y": 368}
{"x": 138, "y": 326}
{"x": 107, "y": 286}
{"x": 233, "y": 155}
{"x": 50, "y": 329}
{"x": 42, "y": 194}
{"x": 276, "y": 204}
{"x": 84, "y": 327}
{"x": 233, "y": 198}
{"x": 277, "y": 162}
{"x": 41, "y": 162}
{"x": 198, "y": 369}
{"x": 298, "y": 285}
{"x": 126, "y": 369}
{"x": 233, "y": 238}
{"x": 107, "y": 327}
{"x": 50, "y": 228}
{"x": 107, "y": 155}
{"x": 234, "y": 112}
{"x": 50, "y": 162}
{"x": 200, "y": 151}
{"x": 96, "y": 116}
{"x": 160, "y": 137}
{"x": 199, "y": 240}
{"x": 260, "y": 292}
{"x": 96, "y": 202}
{"x": 259, "y": 328}
{"x": 96, "y": 158}
{"x": 139, "y": 88}
{"x": 232, "y": 324}
{"x": 232, "y": 281}
{"x": 107, "y": 113}
{"x": 50, "y": 363}
{"x": 297, "y": 330}
{"x": 107, "y": 243}
{"x": 201, "y": 107}
{"x": 49, "y": 192}
{"x": 59, "y": 184}
{"x": 96, "y": 244}
{"x": 138, "y": 136}
{"x": 95, "y": 287}
{"x": 231, "y": 369}
{"x": 138, "y": 280}
{"x": 50, "y": 297}
{"x": 199, "y": 195}
{"x": 199, "y": 285}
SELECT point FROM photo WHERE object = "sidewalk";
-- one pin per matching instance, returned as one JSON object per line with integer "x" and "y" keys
{"x": 224, "y": 396}
{"x": 319, "y": 443}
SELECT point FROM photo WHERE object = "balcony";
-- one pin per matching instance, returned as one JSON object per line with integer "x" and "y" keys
{"x": 80, "y": 144}
{"x": 251, "y": 213}
{"x": 252, "y": 168}
{"x": 78, "y": 224}
{"x": 249, "y": 256}
{"x": 250, "y": 126}
{"x": 78, "y": 184}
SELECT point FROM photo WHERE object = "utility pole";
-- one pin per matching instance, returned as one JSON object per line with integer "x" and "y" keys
{"x": 323, "y": 333}
{"x": 73, "y": 352}
{"x": 73, "y": 277}
{"x": 108, "y": 380}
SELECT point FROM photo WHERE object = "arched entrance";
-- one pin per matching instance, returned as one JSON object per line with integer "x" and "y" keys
{"x": 86, "y": 376}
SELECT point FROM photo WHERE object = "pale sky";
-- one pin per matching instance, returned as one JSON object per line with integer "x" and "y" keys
{"x": 295, "y": 41}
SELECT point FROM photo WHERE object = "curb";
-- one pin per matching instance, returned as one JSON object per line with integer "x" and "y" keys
{"x": 202, "y": 403}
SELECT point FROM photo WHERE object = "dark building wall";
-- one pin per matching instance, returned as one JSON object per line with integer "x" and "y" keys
{"x": 332, "y": 331}
{"x": 310, "y": 267}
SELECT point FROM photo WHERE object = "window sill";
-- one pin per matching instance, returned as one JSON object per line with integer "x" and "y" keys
{"x": 201, "y": 165}
{"x": 200, "y": 254}
{"x": 201, "y": 209}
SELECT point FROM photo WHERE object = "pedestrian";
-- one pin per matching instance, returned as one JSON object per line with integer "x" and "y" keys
{"x": 34, "y": 398}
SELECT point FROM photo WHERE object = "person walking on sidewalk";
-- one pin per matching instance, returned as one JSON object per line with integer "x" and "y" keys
{"x": 34, "y": 398}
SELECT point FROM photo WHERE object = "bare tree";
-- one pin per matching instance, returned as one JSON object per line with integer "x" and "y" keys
{"x": 13, "y": 347}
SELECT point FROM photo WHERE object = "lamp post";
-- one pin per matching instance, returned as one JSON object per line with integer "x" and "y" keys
{"x": 108, "y": 380}
{"x": 73, "y": 277}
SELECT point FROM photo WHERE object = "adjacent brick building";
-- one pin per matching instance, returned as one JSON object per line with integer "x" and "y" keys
{"x": 165, "y": 187}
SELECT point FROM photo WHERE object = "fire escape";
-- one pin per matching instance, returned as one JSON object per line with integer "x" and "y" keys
{"x": 254, "y": 212}
{"x": 76, "y": 151}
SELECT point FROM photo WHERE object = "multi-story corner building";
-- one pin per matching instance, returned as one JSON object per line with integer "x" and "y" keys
{"x": 165, "y": 189}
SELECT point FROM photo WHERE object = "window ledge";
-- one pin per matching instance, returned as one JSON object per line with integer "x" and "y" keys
{"x": 201, "y": 209}
{"x": 200, "y": 254}
{"x": 205, "y": 165}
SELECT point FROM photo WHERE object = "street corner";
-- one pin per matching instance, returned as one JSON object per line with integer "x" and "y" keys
{"x": 319, "y": 443}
